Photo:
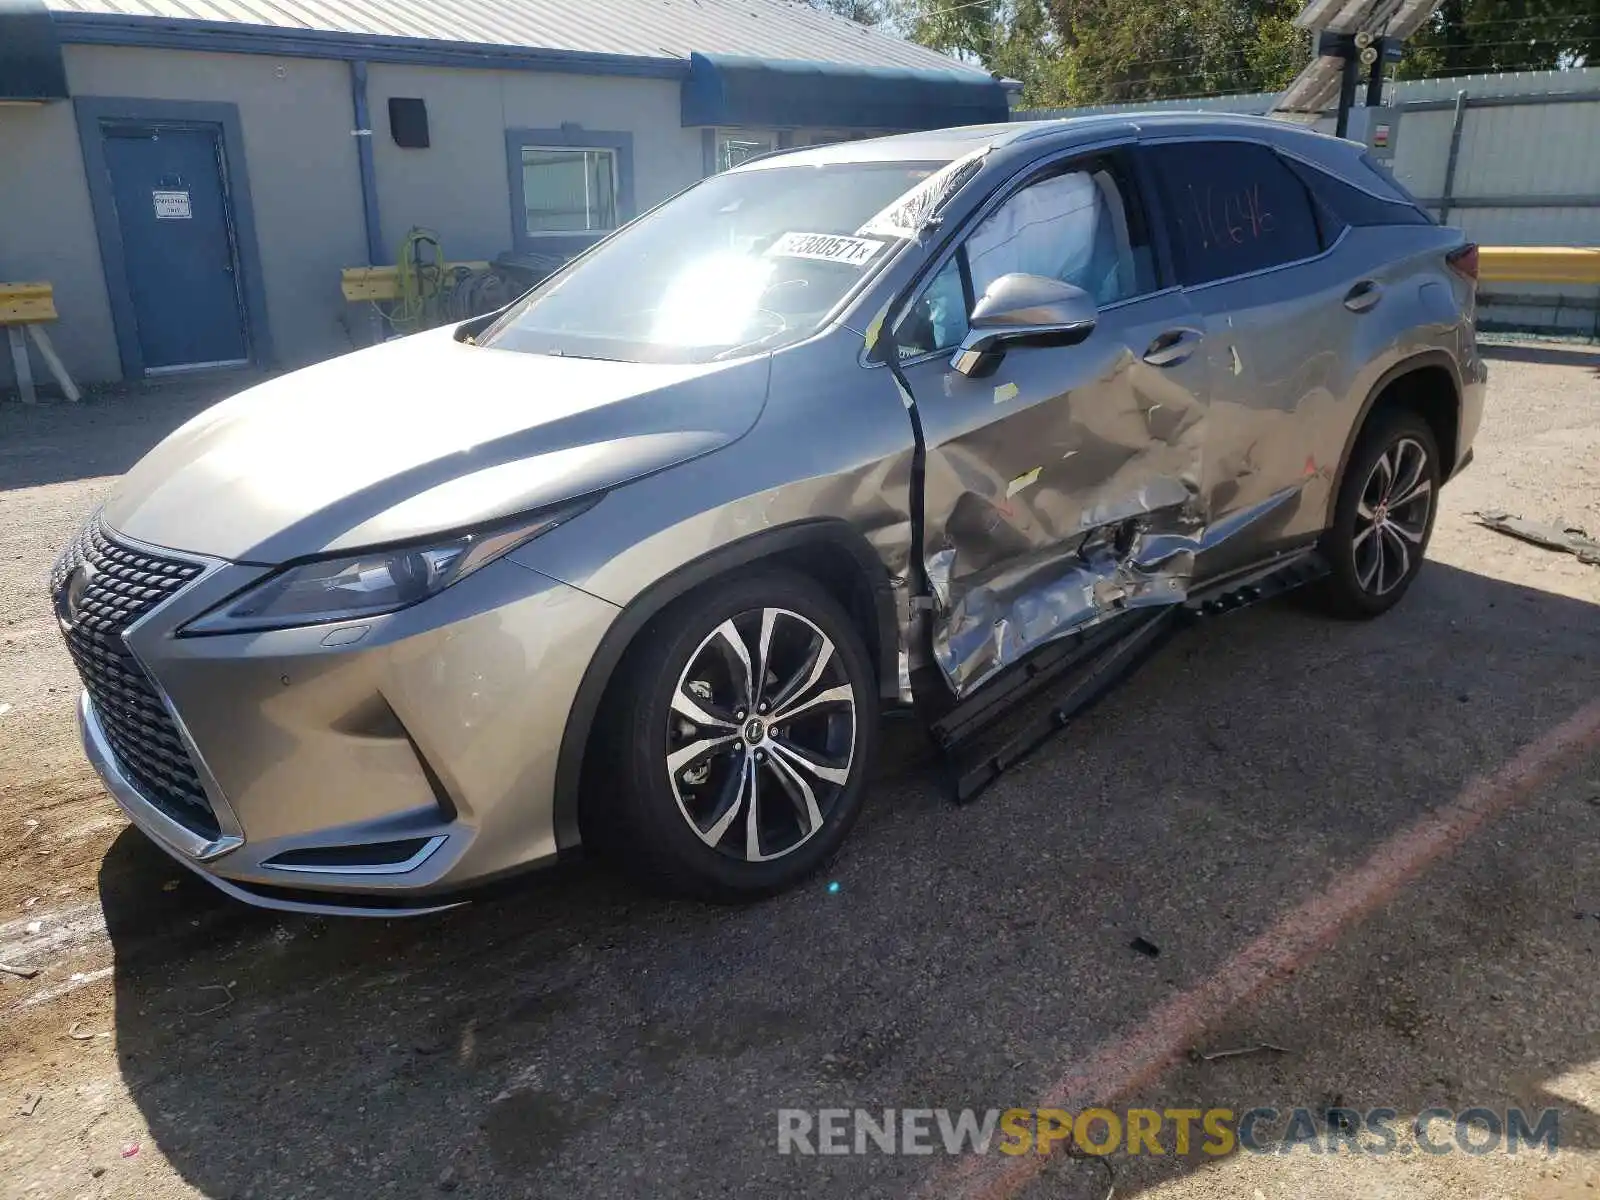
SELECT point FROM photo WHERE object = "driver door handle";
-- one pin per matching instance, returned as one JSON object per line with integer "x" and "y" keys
{"x": 1363, "y": 296}
{"x": 1172, "y": 347}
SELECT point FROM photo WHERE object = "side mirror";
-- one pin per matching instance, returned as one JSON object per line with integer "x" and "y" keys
{"x": 1023, "y": 310}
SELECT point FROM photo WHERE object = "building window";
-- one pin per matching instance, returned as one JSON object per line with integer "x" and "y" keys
{"x": 736, "y": 146}
{"x": 828, "y": 137}
{"x": 569, "y": 190}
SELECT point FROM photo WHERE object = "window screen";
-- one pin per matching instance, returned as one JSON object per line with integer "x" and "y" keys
{"x": 569, "y": 191}
{"x": 1233, "y": 208}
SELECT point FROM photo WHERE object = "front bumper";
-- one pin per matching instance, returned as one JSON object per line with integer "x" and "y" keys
{"x": 192, "y": 850}
{"x": 435, "y": 730}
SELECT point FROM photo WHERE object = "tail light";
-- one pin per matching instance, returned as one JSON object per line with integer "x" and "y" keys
{"x": 1463, "y": 260}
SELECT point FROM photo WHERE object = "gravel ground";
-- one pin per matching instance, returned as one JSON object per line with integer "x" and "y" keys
{"x": 575, "y": 1038}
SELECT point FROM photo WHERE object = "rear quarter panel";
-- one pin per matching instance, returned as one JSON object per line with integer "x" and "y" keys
{"x": 1425, "y": 315}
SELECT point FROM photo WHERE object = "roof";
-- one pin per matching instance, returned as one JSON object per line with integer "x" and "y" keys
{"x": 945, "y": 145}
{"x": 933, "y": 145}
{"x": 645, "y": 29}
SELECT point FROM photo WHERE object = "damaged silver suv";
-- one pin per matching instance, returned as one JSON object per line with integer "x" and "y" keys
{"x": 636, "y": 561}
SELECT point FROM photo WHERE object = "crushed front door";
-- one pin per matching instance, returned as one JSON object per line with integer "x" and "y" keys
{"x": 1063, "y": 488}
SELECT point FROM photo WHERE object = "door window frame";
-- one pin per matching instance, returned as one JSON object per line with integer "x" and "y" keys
{"x": 1032, "y": 173}
{"x": 1154, "y": 188}
{"x": 93, "y": 114}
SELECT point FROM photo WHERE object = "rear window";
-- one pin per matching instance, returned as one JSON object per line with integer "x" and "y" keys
{"x": 1234, "y": 208}
{"x": 1343, "y": 203}
{"x": 1388, "y": 184}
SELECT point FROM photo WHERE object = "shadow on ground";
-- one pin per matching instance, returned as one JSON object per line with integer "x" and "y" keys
{"x": 1555, "y": 353}
{"x": 107, "y": 432}
{"x": 576, "y": 1038}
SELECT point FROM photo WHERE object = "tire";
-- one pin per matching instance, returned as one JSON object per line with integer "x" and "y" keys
{"x": 1384, "y": 516}
{"x": 681, "y": 698}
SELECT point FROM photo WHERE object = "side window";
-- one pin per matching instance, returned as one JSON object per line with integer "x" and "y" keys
{"x": 938, "y": 319}
{"x": 1344, "y": 204}
{"x": 1234, "y": 207}
{"x": 1078, "y": 226}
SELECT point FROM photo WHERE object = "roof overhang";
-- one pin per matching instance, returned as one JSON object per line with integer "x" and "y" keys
{"x": 31, "y": 67}
{"x": 727, "y": 90}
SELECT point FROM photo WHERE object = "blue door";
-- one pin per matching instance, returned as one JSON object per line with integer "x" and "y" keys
{"x": 177, "y": 243}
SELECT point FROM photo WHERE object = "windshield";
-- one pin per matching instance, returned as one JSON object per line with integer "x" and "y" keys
{"x": 739, "y": 264}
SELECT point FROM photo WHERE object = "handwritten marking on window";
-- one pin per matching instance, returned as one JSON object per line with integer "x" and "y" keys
{"x": 1229, "y": 217}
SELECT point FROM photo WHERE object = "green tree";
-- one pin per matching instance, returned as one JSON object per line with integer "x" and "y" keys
{"x": 1081, "y": 52}
{"x": 1015, "y": 39}
{"x": 1073, "y": 52}
{"x": 1466, "y": 37}
{"x": 863, "y": 12}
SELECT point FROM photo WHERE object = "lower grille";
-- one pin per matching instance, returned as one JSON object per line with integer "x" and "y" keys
{"x": 100, "y": 587}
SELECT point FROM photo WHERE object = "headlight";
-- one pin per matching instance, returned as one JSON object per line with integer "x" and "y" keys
{"x": 370, "y": 583}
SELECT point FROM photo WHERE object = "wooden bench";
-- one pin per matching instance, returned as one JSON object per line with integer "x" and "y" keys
{"x": 24, "y": 307}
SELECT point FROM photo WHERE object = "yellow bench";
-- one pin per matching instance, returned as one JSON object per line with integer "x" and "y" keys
{"x": 383, "y": 283}
{"x": 22, "y": 307}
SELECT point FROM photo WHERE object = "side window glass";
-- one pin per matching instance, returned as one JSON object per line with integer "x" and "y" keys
{"x": 1071, "y": 227}
{"x": 1077, "y": 227}
{"x": 938, "y": 319}
{"x": 1345, "y": 204}
{"x": 1235, "y": 207}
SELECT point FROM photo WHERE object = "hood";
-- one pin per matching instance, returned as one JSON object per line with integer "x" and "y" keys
{"x": 418, "y": 436}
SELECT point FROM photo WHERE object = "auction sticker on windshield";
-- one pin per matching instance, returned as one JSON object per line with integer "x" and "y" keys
{"x": 828, "y": 247}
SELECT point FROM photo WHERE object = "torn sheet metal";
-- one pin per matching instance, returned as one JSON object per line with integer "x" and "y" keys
{"x": 1065, "y": 509}
{"x": 1569, "y": 538}
{"x": 987, "y": 621}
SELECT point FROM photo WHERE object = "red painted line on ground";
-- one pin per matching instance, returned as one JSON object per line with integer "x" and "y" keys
{"x": 1134, "y": 1059}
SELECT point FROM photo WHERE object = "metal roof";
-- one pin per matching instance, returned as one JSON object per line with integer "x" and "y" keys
{"x": 654, "y": 29}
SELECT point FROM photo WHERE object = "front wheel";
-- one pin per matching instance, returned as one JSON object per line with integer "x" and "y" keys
{"x": 1384, "y": 516}
{"x": 741, "y": 735}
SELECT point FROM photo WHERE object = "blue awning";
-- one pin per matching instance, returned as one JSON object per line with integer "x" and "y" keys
{"x": 31, "y": 66}
{"x": 776, "y": 93}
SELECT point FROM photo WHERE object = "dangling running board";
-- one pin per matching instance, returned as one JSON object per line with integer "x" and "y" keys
{"x": 1067, "y": 676}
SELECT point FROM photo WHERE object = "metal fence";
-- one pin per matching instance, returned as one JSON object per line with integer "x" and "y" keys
{"x": 1514, "y": 160}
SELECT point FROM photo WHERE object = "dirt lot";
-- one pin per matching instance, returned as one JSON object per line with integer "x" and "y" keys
{"x": 1284, "y": 806}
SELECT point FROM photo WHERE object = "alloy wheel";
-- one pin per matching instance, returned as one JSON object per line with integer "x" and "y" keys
{"x": 1392, "y": 517}
{"x": 761, "y": 734}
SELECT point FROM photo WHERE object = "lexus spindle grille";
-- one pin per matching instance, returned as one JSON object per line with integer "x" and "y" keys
{"x": 100, "y": 587}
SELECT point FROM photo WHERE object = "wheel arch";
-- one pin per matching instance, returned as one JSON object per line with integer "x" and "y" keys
{"x": 829, "y": 550}
{"x": 1429, "y": 384}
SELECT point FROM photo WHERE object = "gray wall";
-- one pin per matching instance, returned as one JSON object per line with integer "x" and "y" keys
{"x": 47, "y": 234}
{"x": 296, "y": 120}
{"x": 302, "y": 165}
{"x": 460, "y": 188}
